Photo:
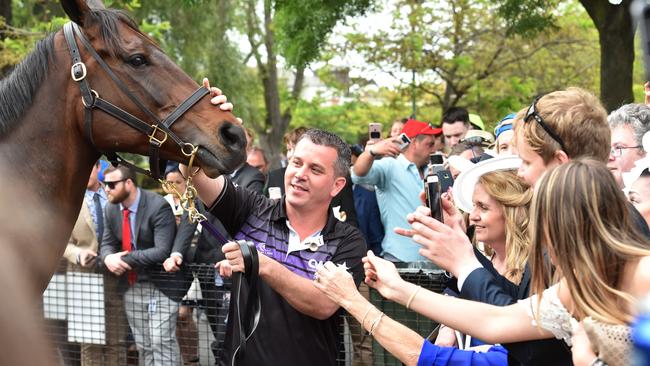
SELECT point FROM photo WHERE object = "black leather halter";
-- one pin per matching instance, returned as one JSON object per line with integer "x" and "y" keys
{"x": 157, "y": 131}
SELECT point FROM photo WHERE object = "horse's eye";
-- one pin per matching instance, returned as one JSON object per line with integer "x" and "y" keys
{"x": 137, "y": 61}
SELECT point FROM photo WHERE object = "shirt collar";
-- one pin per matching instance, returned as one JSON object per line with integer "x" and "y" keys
{"x": 406, "y": 163}
{"x": 134, "y": 206}
{"x": 280, "y": 213}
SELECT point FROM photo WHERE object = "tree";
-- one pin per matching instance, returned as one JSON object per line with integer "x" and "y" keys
{"x": 616, "y": 38}
{"x": 464, "y": 54}
{"x": 292, "y": 31}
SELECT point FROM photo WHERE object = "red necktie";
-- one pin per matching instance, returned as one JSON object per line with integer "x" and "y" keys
{"x": 126, "y": 241}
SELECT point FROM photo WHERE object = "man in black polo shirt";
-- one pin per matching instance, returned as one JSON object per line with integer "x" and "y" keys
{"x": 299, "y": 325}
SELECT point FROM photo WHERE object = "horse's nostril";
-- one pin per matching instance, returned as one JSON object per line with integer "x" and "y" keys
{"x": 232, "y": 135}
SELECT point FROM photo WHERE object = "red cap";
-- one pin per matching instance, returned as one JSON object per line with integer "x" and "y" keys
{"x": 414, "y": 127}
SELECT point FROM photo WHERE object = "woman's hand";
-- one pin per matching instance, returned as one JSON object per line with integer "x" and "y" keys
{"x": 451, "y": 215}
{"x": 447, "y": 247}
{"x": 336, "y": 282}
{"x": 382, "y": 275}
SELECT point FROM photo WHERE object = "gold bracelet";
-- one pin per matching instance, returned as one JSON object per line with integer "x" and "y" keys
{"x": 408, "y": 303}
{"x": 366, "y": 314}
{"x": 375, "y": 324}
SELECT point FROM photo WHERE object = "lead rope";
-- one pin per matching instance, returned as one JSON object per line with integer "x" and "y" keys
{"x": 247, "y": 324}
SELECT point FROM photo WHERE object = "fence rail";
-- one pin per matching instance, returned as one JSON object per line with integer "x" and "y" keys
{"x": 91, "y": 320}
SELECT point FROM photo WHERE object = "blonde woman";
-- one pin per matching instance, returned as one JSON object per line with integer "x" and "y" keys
{"x": 580, "y": 220}
{"x": 500, "y": 218}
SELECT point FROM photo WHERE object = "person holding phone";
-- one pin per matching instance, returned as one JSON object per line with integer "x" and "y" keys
{"x": 398, "y": 182}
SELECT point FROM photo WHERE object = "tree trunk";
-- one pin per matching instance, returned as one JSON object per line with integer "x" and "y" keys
{"x": 616, "y": 35}
{"x": 5, "y": 10}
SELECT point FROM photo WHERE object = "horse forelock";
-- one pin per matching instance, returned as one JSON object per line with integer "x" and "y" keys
{"x": 17, "y": 90}
{"x": 109, "y": 21}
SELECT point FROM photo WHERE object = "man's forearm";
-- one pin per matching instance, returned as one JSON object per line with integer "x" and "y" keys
{"x": 298, "y": 291}
{"x": 207, "y": 188}
{"x": 363, "y": 164}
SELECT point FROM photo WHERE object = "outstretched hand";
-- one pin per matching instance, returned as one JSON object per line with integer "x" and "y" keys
{"x": 381, "y": 275}
{"x": 336, "y": 282}
{"x": 447, "y": 247}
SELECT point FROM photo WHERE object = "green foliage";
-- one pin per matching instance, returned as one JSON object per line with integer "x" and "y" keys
{"x": 528, "y": 17}
{"x": 302, "y": 26}
{"x": 465, "y": 54}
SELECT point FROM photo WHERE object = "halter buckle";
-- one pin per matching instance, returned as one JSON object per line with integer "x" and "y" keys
{"x": 75, "y": 69}
{"x": 93, "y": 94}
{"x": 153, "y": 139}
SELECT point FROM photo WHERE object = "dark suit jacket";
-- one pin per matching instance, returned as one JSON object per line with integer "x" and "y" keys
{"x": 249, "y": 177}
{"x": 345, "y": 198}
{"x": 208, "y": 249}
{"x": 155, "y": 228}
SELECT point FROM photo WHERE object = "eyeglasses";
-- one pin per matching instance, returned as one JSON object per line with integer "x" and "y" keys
{"x": 532, "y": 113}
{"x": 111, "y": 185}
{"x": 617, "y": 151}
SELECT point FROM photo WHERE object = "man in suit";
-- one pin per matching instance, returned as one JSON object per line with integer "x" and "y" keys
{"x": 81, "y": 253}
{"x": 138, "y": 235}
{"x": 248, "y": 177}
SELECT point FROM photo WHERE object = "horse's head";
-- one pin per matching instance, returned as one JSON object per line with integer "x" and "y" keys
{"x": 160, "y": 87}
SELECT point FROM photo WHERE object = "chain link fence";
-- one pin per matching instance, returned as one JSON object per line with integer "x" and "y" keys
{"x": 91, "y": 320}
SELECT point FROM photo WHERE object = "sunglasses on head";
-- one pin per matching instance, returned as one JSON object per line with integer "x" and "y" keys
{"x": 534, "y": 114}
{"x": 111, "y": 185}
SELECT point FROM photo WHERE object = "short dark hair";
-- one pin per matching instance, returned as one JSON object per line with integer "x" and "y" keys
{"x": 455, "y": 114}
{"x": 127, "y": 173}
{"x": 343, "y": 152}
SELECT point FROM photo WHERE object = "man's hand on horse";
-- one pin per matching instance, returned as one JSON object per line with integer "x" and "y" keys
{"x": 217, "y": 97}
{"x": 115, "y": 264}
{"x": 173, "y": 263}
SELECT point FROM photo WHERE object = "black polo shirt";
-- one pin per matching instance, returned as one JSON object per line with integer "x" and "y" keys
{"x": 285, "y": 336}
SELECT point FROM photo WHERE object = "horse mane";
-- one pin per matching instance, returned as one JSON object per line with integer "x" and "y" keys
{"x": 17, "y": 90}
{"x": 19, "y": 87}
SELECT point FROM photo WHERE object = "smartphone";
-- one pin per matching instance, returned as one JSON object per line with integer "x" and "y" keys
{"x": 432, "y": 186}
{"x": 433, "y": 192}
{"x": 374, "y": 131}
{"x": 403, "y": 142}
{"x": 640, "y": 12}
{"x": 445, "y": 179}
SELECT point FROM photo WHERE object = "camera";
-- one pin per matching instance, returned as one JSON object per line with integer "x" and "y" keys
{"x": 374, "y": 131}
{"x": 404, "y": 141}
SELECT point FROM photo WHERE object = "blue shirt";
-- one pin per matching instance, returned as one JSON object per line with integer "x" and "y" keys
{"x": 89, "y": 195}
{"x": 432, "y": 355}
{"x": 133, "y": 209}
{"x": 398, "y": 185}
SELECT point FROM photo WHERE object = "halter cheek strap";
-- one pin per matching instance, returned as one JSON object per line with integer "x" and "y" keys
{"x": 157, "y": 131}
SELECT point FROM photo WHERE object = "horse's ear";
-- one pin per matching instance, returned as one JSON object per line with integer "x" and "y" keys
{"x": 77, "y": 9}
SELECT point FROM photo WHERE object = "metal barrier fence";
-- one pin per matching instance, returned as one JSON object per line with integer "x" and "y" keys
{"x": 91, "y": 320}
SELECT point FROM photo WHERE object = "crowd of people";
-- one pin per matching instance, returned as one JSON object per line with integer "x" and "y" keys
{"x": 544, "y": 233}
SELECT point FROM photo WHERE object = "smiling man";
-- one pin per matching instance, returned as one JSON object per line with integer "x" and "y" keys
{"x": 298, "y": 325}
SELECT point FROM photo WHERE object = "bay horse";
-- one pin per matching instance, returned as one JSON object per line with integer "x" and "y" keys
{"x": 51, "y": 134}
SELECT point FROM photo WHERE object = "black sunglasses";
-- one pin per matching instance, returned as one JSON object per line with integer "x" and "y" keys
{"x": 532, "y": 113}
{"x": 111, "y": 185}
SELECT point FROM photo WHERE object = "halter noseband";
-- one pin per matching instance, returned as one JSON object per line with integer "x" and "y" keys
{"x": 158, "y": 131}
